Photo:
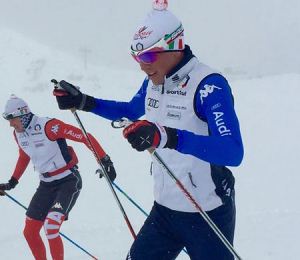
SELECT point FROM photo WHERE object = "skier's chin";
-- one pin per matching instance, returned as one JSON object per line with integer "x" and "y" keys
{"x": 156, "y": 78}
{"x": 19, "y": 130}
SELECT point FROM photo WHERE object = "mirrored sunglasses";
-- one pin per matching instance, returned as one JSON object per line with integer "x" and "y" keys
{"x": 147, "y": 57}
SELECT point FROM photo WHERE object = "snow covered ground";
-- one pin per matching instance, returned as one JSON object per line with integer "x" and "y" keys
{"x": 266, "y": 183}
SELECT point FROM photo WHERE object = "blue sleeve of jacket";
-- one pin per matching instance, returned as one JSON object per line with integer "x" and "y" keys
{"x": 214, "y": 104}
{"x": 132, "y": 110}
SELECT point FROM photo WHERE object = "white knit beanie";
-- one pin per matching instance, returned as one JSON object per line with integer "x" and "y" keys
{"x": 159, "y": 23}
{"x": 16, "y": 106}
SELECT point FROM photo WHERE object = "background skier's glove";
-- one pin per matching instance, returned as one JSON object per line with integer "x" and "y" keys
{"x": 68, "y": 96}
{"x": 143, "y": 135}
{"x": 109, "y": 167}
{"x": 8, "y": 186}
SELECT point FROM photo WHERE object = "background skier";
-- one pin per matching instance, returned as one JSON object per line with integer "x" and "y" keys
{"x": 43, "y": 141}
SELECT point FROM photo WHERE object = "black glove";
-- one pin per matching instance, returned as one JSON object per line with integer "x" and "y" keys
{"x": 143, "y": 135}
{"x": 109, "y": 168}
{"x": 68, "y": 96}
{"x": 12, "y": 183}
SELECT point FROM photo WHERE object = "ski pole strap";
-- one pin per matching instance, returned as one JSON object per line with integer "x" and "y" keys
{"x": 121, "y": 123}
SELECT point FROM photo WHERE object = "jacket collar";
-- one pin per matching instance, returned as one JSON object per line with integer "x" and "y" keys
{"x": 182, "y": 69}
{"x": 32, "y": 123}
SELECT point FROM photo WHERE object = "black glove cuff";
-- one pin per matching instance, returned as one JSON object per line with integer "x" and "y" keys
{"x": 88, "y": 103}
{"x": 105, "y": 159}
{"x": 172, "y": 138}
{"x": 13, "y": 182}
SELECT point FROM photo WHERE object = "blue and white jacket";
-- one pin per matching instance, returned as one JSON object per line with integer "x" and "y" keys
{"x": 198, "y": 102}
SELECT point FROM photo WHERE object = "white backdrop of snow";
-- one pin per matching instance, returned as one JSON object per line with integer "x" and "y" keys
{"x": 266, "y": 183}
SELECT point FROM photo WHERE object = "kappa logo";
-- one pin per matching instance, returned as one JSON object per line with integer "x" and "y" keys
{"x": 55, "y": 128}
{"x": 208, "y": 89}
{"x": 57, "y": 205}
{"x": 227, "y": 190}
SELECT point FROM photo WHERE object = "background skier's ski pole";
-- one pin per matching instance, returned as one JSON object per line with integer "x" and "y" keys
{"x": 134, "y": 203}
{"x": 63, "y": 235}
{"x": 130, "y": 199}
{"x": 123, "y": 122}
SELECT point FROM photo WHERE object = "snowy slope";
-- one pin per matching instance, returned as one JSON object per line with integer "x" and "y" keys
{"x": 268, "y": 108}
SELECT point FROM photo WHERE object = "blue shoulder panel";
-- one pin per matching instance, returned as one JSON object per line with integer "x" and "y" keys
{"x": 214, "y": 104}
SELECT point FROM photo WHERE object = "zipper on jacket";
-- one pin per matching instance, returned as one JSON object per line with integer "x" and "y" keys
{"x": 191, "y": 179}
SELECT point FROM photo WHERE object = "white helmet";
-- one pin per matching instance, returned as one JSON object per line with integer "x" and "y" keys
{"x": 15, "y": 107}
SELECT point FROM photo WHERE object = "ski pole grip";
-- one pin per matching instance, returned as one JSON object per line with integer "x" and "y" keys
{"x": 121, "y": 123}
{"x": 56, "y": 84}
{"x": 65, "y": 86}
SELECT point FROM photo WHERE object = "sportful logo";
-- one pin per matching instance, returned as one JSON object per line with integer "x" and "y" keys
{"x": 153, "y": 103}
{"x": 222, "y": 128}
{"x": 54, "y": 129}
{"x": 142, "y": 33}
{"x": 208, "y": 89}
{"x": 176, "y": 92}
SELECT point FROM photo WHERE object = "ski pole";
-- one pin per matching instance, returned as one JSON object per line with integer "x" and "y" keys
{"x": 63, "y": 235}
{"x": 130, "y": 199}
{"x": 123, "y": 122}
{"x": 204, "y": 215}
{"x": 109, "y": 182}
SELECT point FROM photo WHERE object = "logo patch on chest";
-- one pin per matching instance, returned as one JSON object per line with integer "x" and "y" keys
{"x": 25, "y": 144}
{"x": 176, "y": 92}
{"x": 151, "y": 102}
{"x": 172, "y": 114}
